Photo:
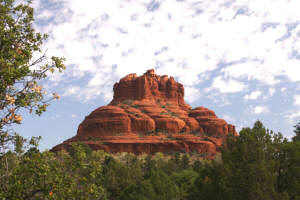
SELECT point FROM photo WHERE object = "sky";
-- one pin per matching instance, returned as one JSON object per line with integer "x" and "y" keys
{"x": 240, "y": 58}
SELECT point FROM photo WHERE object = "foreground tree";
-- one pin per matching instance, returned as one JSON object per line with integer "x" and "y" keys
{"x": 20, "y": 72}
{"x": 256, "y": 165}
{"x": 44, "y": 175}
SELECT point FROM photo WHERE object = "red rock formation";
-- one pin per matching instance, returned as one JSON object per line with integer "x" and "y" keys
{"x": 148, "y": 114}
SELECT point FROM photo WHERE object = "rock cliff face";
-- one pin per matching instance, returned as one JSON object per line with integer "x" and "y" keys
{"x": 148, "y": 114}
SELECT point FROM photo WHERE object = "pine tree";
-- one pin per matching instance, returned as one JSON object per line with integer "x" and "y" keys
{"x": 249, "y": 165}
{"x": 297, "y": 132}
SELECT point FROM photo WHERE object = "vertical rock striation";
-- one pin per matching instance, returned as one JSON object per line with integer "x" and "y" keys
{"x": 148, "y": 114}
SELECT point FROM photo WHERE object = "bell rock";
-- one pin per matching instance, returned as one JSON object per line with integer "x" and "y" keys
{"x": 148, "y": 114}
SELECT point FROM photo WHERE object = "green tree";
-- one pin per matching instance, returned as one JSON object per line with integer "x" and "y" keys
{"x": 297, "y": 132}
{"x": 185, "y": 161}
{"x": 157, "y": 172}
{"x": 184, "y": 180}
{"x": 20, "y": 70}
{"x": 148, "y": 165}
{"x": 250, "y": 164}
{"x": 44, "y": 175}
{"x": 120, "y": 173}
{"x": 80, "y": 175}
{"x": 138, "y": 191}
{"x": 20, "y": 73}
{"x": 288, "y": 181}
{"x": 209, "y": 182}
{"x": 163, "y": 185}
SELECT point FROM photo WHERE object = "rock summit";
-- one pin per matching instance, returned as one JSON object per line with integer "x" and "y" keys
{"x": 148, "y": 114}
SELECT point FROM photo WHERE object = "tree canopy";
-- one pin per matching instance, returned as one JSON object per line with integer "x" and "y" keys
{"x": 21, "y": 67}
{"x": 297, "y": 132}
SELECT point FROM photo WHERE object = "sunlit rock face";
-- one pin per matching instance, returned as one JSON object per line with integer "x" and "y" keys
{"x": 148, "y": 114}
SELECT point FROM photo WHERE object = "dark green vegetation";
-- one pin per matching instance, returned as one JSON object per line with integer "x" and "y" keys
{"x": 258, "y": 164}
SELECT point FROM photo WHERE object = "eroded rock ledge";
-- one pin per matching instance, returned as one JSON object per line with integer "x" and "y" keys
{"x": 148, "y": 114}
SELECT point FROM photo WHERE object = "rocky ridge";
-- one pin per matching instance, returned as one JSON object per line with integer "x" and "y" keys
{"x": 148, "y": 114}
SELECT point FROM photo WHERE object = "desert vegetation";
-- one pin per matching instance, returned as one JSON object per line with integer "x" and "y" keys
{"x": 258, "y": 164}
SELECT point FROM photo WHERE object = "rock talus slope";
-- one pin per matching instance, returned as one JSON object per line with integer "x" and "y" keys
{"x": 148, "y": 114}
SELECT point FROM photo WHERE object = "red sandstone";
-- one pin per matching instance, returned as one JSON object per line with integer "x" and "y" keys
{"x": 148, "y": 114}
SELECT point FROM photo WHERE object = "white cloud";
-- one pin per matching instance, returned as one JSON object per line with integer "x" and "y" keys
{"x": 271, "y": 91}
{"x": 229, "y": 119}
{"x": 253, "y": 95}
{"x": 292, "y": 70}
{"x": 260, "y": 110}
{"x": 251, "y": 70}
{"x": 191, "y": 94}
{"x": 292, "y": 116}
{"x": 297, "y": 100}
{"x": 227, "y": 86}
{"x": 89, "y": 93}
{"x": 254, "y": 45}
{"x": 74, "y": 116}
{"x": 74, "y": 90}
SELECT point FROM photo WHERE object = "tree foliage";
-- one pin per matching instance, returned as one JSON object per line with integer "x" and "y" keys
{"x": 252, "y": 155}
{"x": 21, "y": 68}
{"x": 297, "y": 132}
{"x": 258, "y": 164}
